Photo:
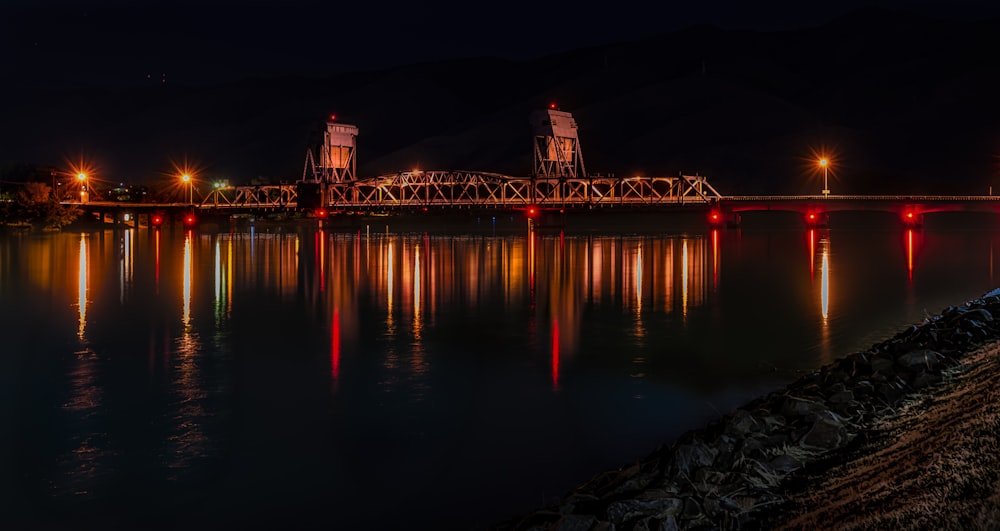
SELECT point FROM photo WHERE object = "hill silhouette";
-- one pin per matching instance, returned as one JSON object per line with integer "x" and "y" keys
{"x": 906, "y": 104}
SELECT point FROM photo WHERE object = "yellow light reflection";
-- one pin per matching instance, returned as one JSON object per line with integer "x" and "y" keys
{"x": 218, "y": 274}
{"x": 188, "y": 266}
{"x": 82, "y": 294}
{"x": 812, "y": 252}
{"x": 416, "y": 292}
{"x": 669, "y": 274}
{"x": 638, "y": 280}
{"x": 684, "y": 278}
{"x": 388, "y": 290}
{"x": 189, "y": 441}
{"x": 127, "y": 265}
{"x": 715, "y": 259}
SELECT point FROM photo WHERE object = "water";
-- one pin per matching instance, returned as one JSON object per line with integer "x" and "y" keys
{"x": 298, "y": 378}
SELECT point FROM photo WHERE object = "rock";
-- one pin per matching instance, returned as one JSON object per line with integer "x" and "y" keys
{"x": 692, "y": 509}
{"x": 691, "y": 456}
{"x": 773, "y": 423}
{"x": 924, "y": 379}
{"x": 864, "y": 388}
{"x": 785, "y": 464}
{"x": 575, "y": 522}
{"x": 891, "y": 392}
{"x": 841, "y": 397}
{"x": 799, "y": 407}
{"x": 624, "y": 510}
{"x": 918, "y": 359}
{"x": 850, "y": 410}
{"x": 740, "y": 423}
{"x": 712, "y": 509}
{"x": 707, "y": 480}
{"x": 669, "y": 524}
{"x": 647, "y": 523}
{"x": 882, "y": 364}
{"x": 827, "y": 433}
{"x": 633, "y": 484}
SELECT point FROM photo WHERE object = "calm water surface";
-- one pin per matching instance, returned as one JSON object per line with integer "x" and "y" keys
{"x": 304, "y": 378}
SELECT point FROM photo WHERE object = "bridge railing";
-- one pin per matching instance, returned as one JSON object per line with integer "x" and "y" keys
{"x": 467, "y": 188}
{"x": 858, "y": 197}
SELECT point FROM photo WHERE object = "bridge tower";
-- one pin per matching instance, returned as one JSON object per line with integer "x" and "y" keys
{"x": 337, "y": 155}
{"x": 557, "y": 146}
{"x": 336, "y": 168}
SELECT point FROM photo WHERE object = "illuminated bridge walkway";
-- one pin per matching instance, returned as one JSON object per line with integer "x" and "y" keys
{"x": 815, "y": 209}
{"x": 471, "y": 189}
{"x": 441, "y": 190}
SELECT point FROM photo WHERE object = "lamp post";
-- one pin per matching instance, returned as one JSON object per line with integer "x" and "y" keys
{"x": 82, "y": 177}
{"x": 825, "y": 164}
{"x": 187, "y": 180}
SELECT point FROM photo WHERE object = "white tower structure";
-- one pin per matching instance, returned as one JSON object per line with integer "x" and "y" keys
{"x": 557, "y": 147}
{"x": 337, "y": 155}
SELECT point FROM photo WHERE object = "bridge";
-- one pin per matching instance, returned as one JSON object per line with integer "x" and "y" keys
{"x": 816, "y": 209}
{"x": 559, "y": 181}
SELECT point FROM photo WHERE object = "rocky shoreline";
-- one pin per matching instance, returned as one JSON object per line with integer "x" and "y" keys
{"x": 729, "y": 475}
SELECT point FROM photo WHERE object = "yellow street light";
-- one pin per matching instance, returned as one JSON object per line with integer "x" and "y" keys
{"x": 82, "y": 177}
{"x": 825, "y": 164}
{"x": 187, "y": 180}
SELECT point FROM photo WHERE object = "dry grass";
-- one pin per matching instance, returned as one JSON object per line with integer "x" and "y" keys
{"x": 934, "y": 464}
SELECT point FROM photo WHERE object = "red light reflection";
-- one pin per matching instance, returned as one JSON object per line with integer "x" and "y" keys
{"x": 555, "y": 354}
{"x": 909, "y": 254}
{"x": 335, "y": 346}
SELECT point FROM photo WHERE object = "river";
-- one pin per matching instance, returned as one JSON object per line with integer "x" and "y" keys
{"x": 307, "y": 378}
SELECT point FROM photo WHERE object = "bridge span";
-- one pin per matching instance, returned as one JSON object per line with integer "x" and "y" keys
{"x": 816, "y": 209}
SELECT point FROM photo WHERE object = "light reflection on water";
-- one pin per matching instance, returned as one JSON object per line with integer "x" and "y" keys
{"x": 297, "y": 355}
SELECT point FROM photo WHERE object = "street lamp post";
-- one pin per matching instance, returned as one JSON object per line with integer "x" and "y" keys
{"x": 82, "y": 177}
{"x": 825, "y": 164}
{"x": 187, "y": 179}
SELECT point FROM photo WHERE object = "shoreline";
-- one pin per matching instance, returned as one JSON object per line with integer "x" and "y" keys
{"x": 775, "y": 461}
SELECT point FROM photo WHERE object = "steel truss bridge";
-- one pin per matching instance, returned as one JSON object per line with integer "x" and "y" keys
{"x": 421, "y": 189}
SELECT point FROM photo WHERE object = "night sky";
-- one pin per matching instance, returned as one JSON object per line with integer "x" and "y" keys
{"x": 58, "y": 43}
{"x": 136, "y": 87}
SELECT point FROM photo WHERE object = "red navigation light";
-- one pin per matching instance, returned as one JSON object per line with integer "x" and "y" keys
{"x": 552, "y": 105}
{"x": 189, "y": 219}
{"x": 909, "y": 215}
{"x": 157, "y": 220}
{"x": 812, "y": 216}
{"x": 333, "y": 117}
{"x": 715, "y": 216}
{"x": 532, "y": 212}
{"x": 320, "y": 213}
